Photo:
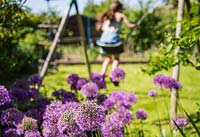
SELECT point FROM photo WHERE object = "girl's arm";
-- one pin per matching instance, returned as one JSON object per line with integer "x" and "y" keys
{"x": 128, "y": 23}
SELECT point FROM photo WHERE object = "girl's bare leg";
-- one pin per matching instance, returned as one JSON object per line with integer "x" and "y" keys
{"x": 115, "y": 62}
{"x": 106, "y": 62}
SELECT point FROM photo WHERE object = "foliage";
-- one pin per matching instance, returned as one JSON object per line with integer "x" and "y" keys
{"x": 188, "y": 43}
{"x": 20, "y": 38}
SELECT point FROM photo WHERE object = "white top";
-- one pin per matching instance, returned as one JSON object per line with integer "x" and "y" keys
{"x": 111, "y": 26}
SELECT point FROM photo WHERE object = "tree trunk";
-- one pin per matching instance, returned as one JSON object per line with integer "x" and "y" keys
{"x": 176, "y": 69}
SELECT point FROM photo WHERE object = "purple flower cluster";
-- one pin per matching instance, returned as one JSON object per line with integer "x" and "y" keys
{"x": 64, "y": 95}
{"x": 10, "y": 132}
{"x": 123, "y": 99}
{"x": 67, "y": 124}
{"x": 72, "y": 80}
{"x": 141, "y": 114}
{"x": 99, "y": 80}
{"x": 50, "y": 118}
{"x": 28, "y": 124}
{"x": 89, "y": 90}
{"x": 122, "y": 116}
{"x": 152, "y": 93}
{"x": 89, "y": 116}
{"x": 34, "y": 133}
{"x": 117, "y": 74}
{"x": 166, "y": 82}
{"x": 81, "y": 82}
{"x": 35, "y": 80}
{"x": 111, "y": 129}
{"x": 181, "y": 122}
{"x": 11, "y": 117}
{"x": 4, "y": 96}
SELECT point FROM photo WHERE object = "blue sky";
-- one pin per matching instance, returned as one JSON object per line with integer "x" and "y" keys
{"x": 37, "y": 6}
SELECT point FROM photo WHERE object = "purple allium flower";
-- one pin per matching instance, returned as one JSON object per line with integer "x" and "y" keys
{"x": 90, "y": 90}
{"x": 152, "y": 93}
{"x": 41, "y": 103}
{"x": 122, "y": 116}
{"x": 21, "y": 84}
{"x": 73, "y": 79}
{"x": 64, "y": 95}
{"x": 81, "y": 82}
{"x": 28, "y": 124}
{"x": 53, "y": 113}
{"x": 35, "y": 114}
{"x": 181, "y": 122}
{"x": 4, "y": 96}
{"x": 19, "y": 95}
{"x": 11, "y": 117}
{"x": 69, "y": 97}
{"x": 123, "y": 99}
{"x": 166, "y": 82}
{"x": 89, "y": 116}
{"x": 117, "y": 74}
{"x": 34, "y": 133}
{"x": 108, "y": 104}
{"x": 50, "y": 118}
{"x": 111, "y": 129}
{"x": 67, "y": 124}
{"x": 159, "y": 80}
{"x": 35, "y": 80}
{"x": 10, "y": 132}
{"x": 171, "y": 83}
{"x": 33, "y": 93}
{"x": 141, "y": 114}
{"x": 99, "y": 80}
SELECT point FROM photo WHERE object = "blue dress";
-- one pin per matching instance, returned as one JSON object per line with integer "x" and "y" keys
{"x": 110, "y": 42}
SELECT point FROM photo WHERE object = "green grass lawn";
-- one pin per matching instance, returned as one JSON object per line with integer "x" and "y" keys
{"x": 139, "y": 83}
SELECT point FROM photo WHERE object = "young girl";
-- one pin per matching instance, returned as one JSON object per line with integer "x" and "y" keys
{"x": 110, "y": 44}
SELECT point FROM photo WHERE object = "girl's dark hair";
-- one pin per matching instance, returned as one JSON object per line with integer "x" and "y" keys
{"x": 115, "y": 6}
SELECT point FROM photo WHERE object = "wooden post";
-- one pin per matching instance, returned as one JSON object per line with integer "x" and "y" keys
{"x": 56, "y": 39}
{"x": 176, "y": 69}
{"x": 83, "y": 42}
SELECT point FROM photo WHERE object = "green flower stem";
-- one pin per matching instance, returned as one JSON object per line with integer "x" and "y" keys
{"x": 159, "y": 123}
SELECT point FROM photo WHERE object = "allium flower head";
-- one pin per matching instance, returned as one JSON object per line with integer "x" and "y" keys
{"x": 35, "y": 80}
{"x": 35, "y": 114}
{"x": 123, "y": 99}
{"x": 34, "y": 133}
{"x": 11, "y": 117}
{"x": 4, "y": 96}
{"x": 108, "y": 104}
{"x": 73, "y": 79}
{"x": 117, "y": 74}
{"x": 166, "y": 82}
{"x": 122, "y": 116}
{"x": 50, "y": 118}
{"x": 181, "y": 122}
{"x": 90, "y": 90}
{"x": 111, "y": 129}
{"x": 33, "y": 93}
{"x": 81, "y": 82}
{"x": 152, "y": 93}
{"x": 19, "y": 95}
{"x": 10, "y": 132}
{"x": 67, "y": 124}
{"x": 99, "y": 80}
{"x": 20, "y": 83}
{"x": 89, "y": 116}
{"x": 28, "y": 124}
{"x": 141, "y": 114}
